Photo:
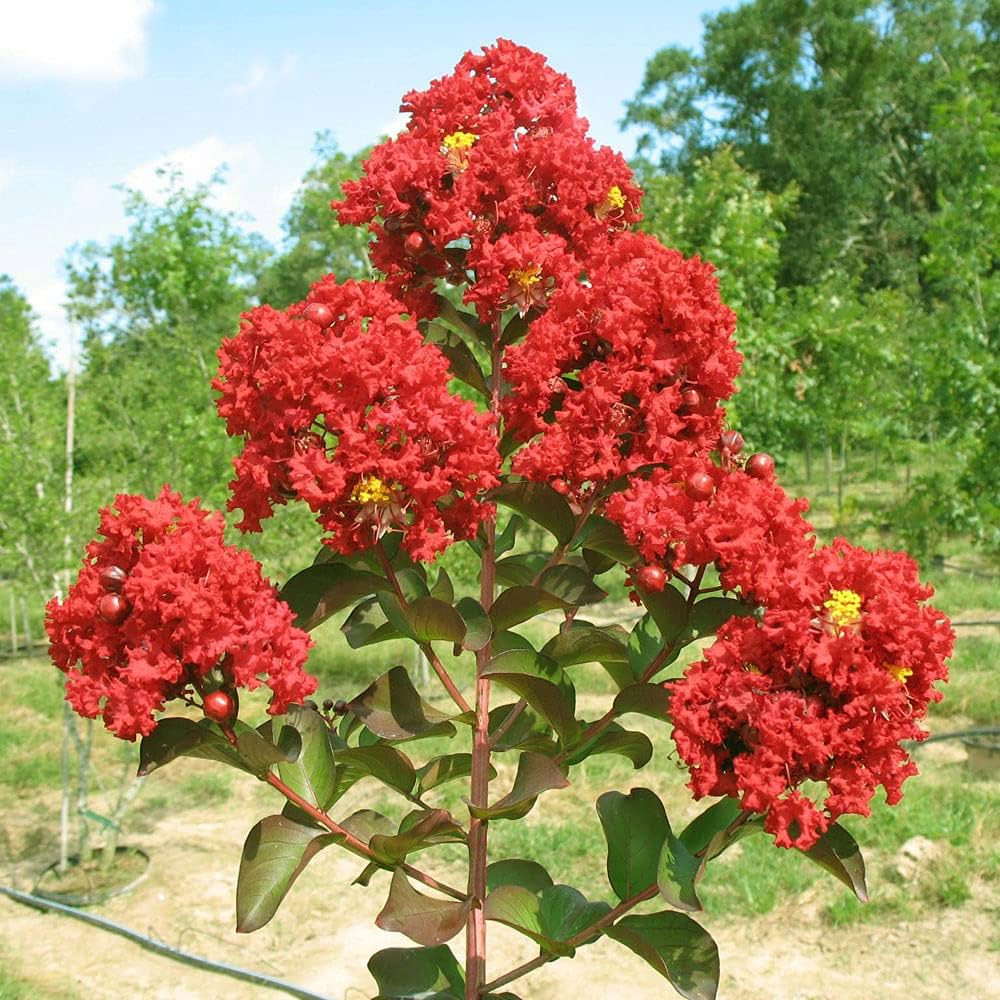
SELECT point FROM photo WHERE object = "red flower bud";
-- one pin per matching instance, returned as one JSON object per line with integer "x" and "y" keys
{"x": 651, "y": 578}
{"x": 219, "y": 707}
{"x": 760, "y": 466}
{"x": 317, "y": 312}
{"x": 690, "y": 399}
{"x": 700, "y": 486}
{"x": 731, "y": 441}
{"x": 113, "y": 608}
{"x": 113, "y": 579}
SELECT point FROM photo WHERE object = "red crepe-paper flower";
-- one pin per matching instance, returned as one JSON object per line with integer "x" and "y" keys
{"x": 597, "y": 385}
{"x": 824, "y": 689}
{"x": 493, "y": 152}
{"x": 194, "y": 605}
{"x": 750, "y": 528}
{"x": 356, "y": 420}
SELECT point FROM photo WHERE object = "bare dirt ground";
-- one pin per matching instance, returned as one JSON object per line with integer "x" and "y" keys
{"x": 324, "y": 932}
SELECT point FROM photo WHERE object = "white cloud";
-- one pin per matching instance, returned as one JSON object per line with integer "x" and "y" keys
{"x": 7, "y": 171}
{"x": 394, "y": 125}
{"x": 265, "y": 73}
{"x": 253, "y": 186}
{"x": 72, "y": 40}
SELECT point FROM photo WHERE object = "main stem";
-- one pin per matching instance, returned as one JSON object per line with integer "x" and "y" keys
{"x": 475, "y": 929}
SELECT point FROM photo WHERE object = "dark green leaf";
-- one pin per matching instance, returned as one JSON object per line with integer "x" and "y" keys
{"x": 367, "y": 624}
{"x": 505, "y": 539}
{"x": 644, "y": 699}
{"x": 669, "y": 611}
{"x": 521, "y": 569}
{"x": 535, "y": 774}
{"x": 274, "y": 854}
{"x": 541, "y": 683}
{"x": 424, "y": 619}
{"x": 680, "y": 950}
{"x": 678, "y": 874}
{"x": 644, "y": 644}
{"x": 447, "y": 768}
{"x": 700, "y": 832}
{"x": 478, "y": 627}
{"x": 260, "y": 754}
{"x": 325, "y": 588}
{"x": 518, "y": 604}
{"x": 313, "y": 773}
{"x": 417, "y": 974}
{"x": 635, "y": 827}
{"x": 586, "y": 643}
{"x": 461, "y": 360}
{"x": 711, "y": 612}
{"x": 392, "y": 708}
{"x": 571, "y": 584}
{"x": 176, "y": 737}
{"x": 443, "y": 589}
{"x": 541, "y": 504}
{"x": 384, "y": 763}
{"x": 420, "y": 829}
{"x": 421, "y": 918}
{"x": 464, "y": 322}
{"x": 366, "y": 823}
{"x": 604, "y": 536}
{"x": 525, "y": 733}
{"x": 516, "y": 328}
{"x": 566, "y": 912}
{"x": 597, "y": 562}
{"x": 516, "y": 871}
{"x": 838, "y": 852}
{"x": 637, "y": 747}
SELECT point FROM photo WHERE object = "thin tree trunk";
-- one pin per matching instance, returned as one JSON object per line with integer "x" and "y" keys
{"x": 29, "y": 644}
{"x": 13, "y": 624}
{"x": 809, "y": 462}
{"x": 878, "y": 452}
{"x": 827, "y": 466}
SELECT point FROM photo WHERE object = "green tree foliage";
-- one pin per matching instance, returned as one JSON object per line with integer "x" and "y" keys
{"x": 31, "y": 448}
{"x": 153, "y": 306}
{"x": 837, "y": 96}
{"x": 315, "y": 244}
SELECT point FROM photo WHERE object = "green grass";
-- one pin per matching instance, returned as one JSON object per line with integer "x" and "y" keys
{"x": 32, "y": 695}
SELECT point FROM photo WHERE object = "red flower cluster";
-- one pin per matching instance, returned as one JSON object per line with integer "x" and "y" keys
{"x": 352, "y": 414}
{"x": 624, "y": 372}
{"x": 749, "y": 528}
{"x": 160, "y": 603}
{"x": 823, "y": 689}
{"x": 493, "y": 182}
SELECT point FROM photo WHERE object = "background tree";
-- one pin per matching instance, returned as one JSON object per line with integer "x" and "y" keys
{"x": 153, "y": 306}
{"x": 31, "y": 449}
{"x": 315, "y": 244}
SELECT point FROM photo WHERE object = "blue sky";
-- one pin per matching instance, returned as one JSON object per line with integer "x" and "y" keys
{"x": 97, "y": 94}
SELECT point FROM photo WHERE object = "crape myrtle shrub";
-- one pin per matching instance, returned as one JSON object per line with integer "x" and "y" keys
{"x": 599, "y": 361}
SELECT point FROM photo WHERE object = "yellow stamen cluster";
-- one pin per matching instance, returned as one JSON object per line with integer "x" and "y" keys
{"x": 614, "y": 198}
{"x": 371, "y": 489}
{"x": 900, "y": 673}
{"x": 752, "y": 668}
{"x": 525, "y": 277}
{"x": 459, "y": 141}
{"x": 843, "y": 608}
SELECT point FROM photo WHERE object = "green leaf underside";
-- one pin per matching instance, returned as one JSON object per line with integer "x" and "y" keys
{"x": 478, "y": 626}
{"x": 543, "y": 684}
{"x": 572, "y": 584}
{"x": 275, "y": 852}
{"x": 678, "y": 873}
{"x": 644, "y": 643}
{"x": 677, "y": 947}
{"x": 535, "y": 774}
{"x": 550, "y": 917}
{"x": 321, "y": 590}
{"x": 367, "y": 625}
{"x": 711, "y": 612}
{"x": 384, "y": 763}
{"x": 366, "y": 823}
{"x": 313, "y": 774}
{"x": 541, "y": 504}
{"x": 518, "y": 604}
{"x": 417, "y": 974}
{"x": 635, "y": 827}
{"x": 419, "y": 830}
{"x": 445, "y": 768}
{"x": 838, "y": 853}
{"x": 586, "y": 643}
{"x": 652, "y": 700}
{"x": 392, "y": 708}
{"x": 425, "y": 619}
{"x": 670, "y": 612}
{"x": 699, "y": 833}
{"x": 423, "y": 919}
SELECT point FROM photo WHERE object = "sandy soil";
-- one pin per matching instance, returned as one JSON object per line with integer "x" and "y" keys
{"x": 324, "y": 932}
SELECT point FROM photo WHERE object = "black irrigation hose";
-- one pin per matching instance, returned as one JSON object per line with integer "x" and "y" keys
{"x": 957, "y": 734}
{"x": 258, "y": 978}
